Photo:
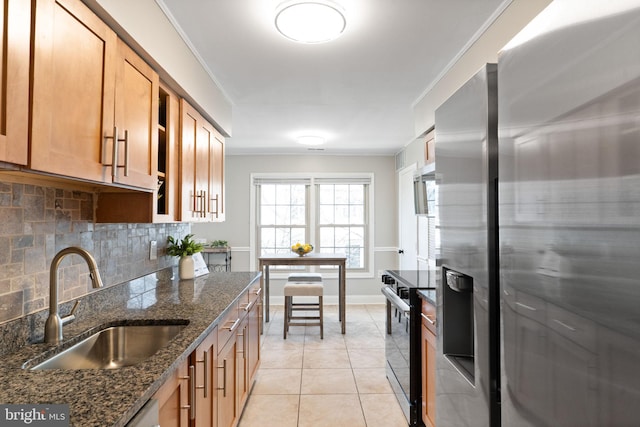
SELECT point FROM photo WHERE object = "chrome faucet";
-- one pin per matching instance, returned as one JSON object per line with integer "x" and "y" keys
{"x": 54, "y": 323}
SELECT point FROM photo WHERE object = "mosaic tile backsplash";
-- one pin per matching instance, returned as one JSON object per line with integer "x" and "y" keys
{"x": 36, "y": 222}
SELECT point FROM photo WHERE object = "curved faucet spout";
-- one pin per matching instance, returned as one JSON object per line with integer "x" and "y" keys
{"x": 53, "y": 325}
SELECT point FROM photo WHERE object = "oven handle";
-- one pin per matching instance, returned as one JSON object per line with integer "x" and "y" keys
{"x": 394, "y": 299}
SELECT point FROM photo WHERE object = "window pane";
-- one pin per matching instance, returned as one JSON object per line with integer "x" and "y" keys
{"x": 356, "y": 194}
{"x": 342, "y": 214}
{"x": 283, "y": 237}
{"x": 342, "y": 237}
{"x": 327, "y": 237}
{"x": 342, "y": 194}
{"x": 268, "y": 238}
{"x": 283, "y": 195}
{"x": 268, "y": 215}
{"x": 326, "y": 214}
{"x": 326, "y": 194}
{"x": 267, "y": 194}
{"x": 298, "y": 215}
{"x": 356, "y": 214}
{"x": 283, "y": 215}
{"x": 298, "y": 193}
{"x": 356, "y": 236}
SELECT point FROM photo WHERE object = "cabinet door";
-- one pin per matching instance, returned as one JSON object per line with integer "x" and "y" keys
{"x": 74, "y": 64}
{"x": 428, "y": 377}
{"x": 204, "y": 358}
{"x": 227, "y": 387}
{"x": 15, "y": 26}
{"x": 253, "y": 339}
{"x": 189, "y": 125}
{"x": 136, "y": 113}
{"x": 216, "y": 177}
{"x": 173, "y": 399}
{"x": 204, "y": 135}
{"x": 243, "y": 362}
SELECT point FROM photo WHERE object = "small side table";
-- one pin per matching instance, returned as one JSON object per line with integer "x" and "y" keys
{"x": 218, "y": 252}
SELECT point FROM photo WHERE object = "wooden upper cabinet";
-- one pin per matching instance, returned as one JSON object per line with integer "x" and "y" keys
{"x": 430, "y": 147}
{"x": 216, "y": 172}
{"x": 73, "y": 89}
{"x": 15, "y": 24}
{"x": 136, "y": 112}
{"x": 202, "y": 168}
{"x": 86, "y": 83}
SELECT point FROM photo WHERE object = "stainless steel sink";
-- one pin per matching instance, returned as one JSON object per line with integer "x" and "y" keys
{"x": 114, "y": 347}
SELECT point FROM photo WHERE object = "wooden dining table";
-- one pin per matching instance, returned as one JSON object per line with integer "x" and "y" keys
{"x": 309, "y": 259}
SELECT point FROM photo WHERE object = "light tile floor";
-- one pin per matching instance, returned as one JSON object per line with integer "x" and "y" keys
{"x": 338, "y": 381}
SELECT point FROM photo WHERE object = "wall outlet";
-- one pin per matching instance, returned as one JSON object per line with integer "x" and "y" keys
{"x": 153, "y": 250}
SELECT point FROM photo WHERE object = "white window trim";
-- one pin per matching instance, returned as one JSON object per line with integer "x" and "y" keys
{"x": 369, "y": 272}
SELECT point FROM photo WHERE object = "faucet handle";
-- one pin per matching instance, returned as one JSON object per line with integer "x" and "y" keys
{"x": 71, "y": 316}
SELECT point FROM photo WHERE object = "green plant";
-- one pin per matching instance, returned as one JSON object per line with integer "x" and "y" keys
{"x": 219, "y": 243}
{"x": 184, "y": 247}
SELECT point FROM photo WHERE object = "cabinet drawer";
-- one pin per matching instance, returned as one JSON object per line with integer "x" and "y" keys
{"x": 229, "y": 324}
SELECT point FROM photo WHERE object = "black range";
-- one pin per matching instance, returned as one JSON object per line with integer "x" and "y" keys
{"x": 402, "y": 341}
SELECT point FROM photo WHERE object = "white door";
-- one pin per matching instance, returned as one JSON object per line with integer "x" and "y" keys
{"x": 408, "y": 223}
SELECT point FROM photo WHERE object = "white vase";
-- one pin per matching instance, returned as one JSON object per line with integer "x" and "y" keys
{"x": 186, "y": 268}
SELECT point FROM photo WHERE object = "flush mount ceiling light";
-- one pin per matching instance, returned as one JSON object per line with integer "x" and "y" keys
{"x": 310, "y": 21}
{"x": 310, "y": 140}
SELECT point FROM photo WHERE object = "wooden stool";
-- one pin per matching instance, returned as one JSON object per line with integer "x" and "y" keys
{"x": 306, "y": 289}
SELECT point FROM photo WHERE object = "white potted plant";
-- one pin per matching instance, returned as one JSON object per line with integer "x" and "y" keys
{"x": 184, "y": 249}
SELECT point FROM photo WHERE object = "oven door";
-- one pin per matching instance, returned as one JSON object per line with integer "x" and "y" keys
{"x": 397, "y": 347}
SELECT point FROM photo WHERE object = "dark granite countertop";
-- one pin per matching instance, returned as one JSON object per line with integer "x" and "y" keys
{"x": 415, "y": 278}
{"x": 112, "y": 397}
{"x": 428, "y": 295}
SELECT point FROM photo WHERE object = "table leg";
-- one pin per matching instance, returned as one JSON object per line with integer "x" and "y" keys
{"x": 342, "y": 295}
{"x": 266, "y": 293}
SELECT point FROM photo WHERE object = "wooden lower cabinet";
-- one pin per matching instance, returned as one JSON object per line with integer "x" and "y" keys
{"x": 173, "y": 399}
{"x": 428, "y": 351}
{"x": 227, "y": 386}
{"x": 212, "y": 386}
{"x": 204, "y": 360}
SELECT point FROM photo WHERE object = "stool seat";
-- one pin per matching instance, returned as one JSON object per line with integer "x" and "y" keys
{"x": 305, "y": 277}
{"x": 302, "y": 289}
{"x": 313, "y": 289}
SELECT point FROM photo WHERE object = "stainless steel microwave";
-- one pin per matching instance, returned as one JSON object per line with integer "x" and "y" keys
{"x": 424, "y": 190}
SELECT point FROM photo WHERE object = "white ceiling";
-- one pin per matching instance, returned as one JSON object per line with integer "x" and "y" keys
{"x": 358, "y": 90}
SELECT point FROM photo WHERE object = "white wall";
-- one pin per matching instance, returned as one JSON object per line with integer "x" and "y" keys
{"x": 236, "y": 228}
{"x": 485, "y": 49}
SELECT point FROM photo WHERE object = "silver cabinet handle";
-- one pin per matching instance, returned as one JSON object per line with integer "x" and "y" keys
{"x": 251, "y": 304}
{"x": 428, "y": 319}
{"x": 235, "y": 325}
{"x": 115, "y": 163}
{"x": 126, "y": 152}
{"x": 216, "y": 213}
{"x": 192, "y": 393}
{"x": 224, "y": 378}
{"x": 258, "y": 292}
{"x": 205, "y": 367}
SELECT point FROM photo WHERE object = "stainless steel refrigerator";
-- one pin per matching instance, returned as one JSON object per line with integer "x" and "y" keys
{"x": 467, "y": 363}
{"x": 569, "y": 217}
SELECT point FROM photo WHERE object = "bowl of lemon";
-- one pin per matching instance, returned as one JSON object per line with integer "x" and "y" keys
{"x": 302, "y": 248}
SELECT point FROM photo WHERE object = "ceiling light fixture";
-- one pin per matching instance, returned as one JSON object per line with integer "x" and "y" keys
{"x": 310, "y": 140}
{"x": 310, "y": 21}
